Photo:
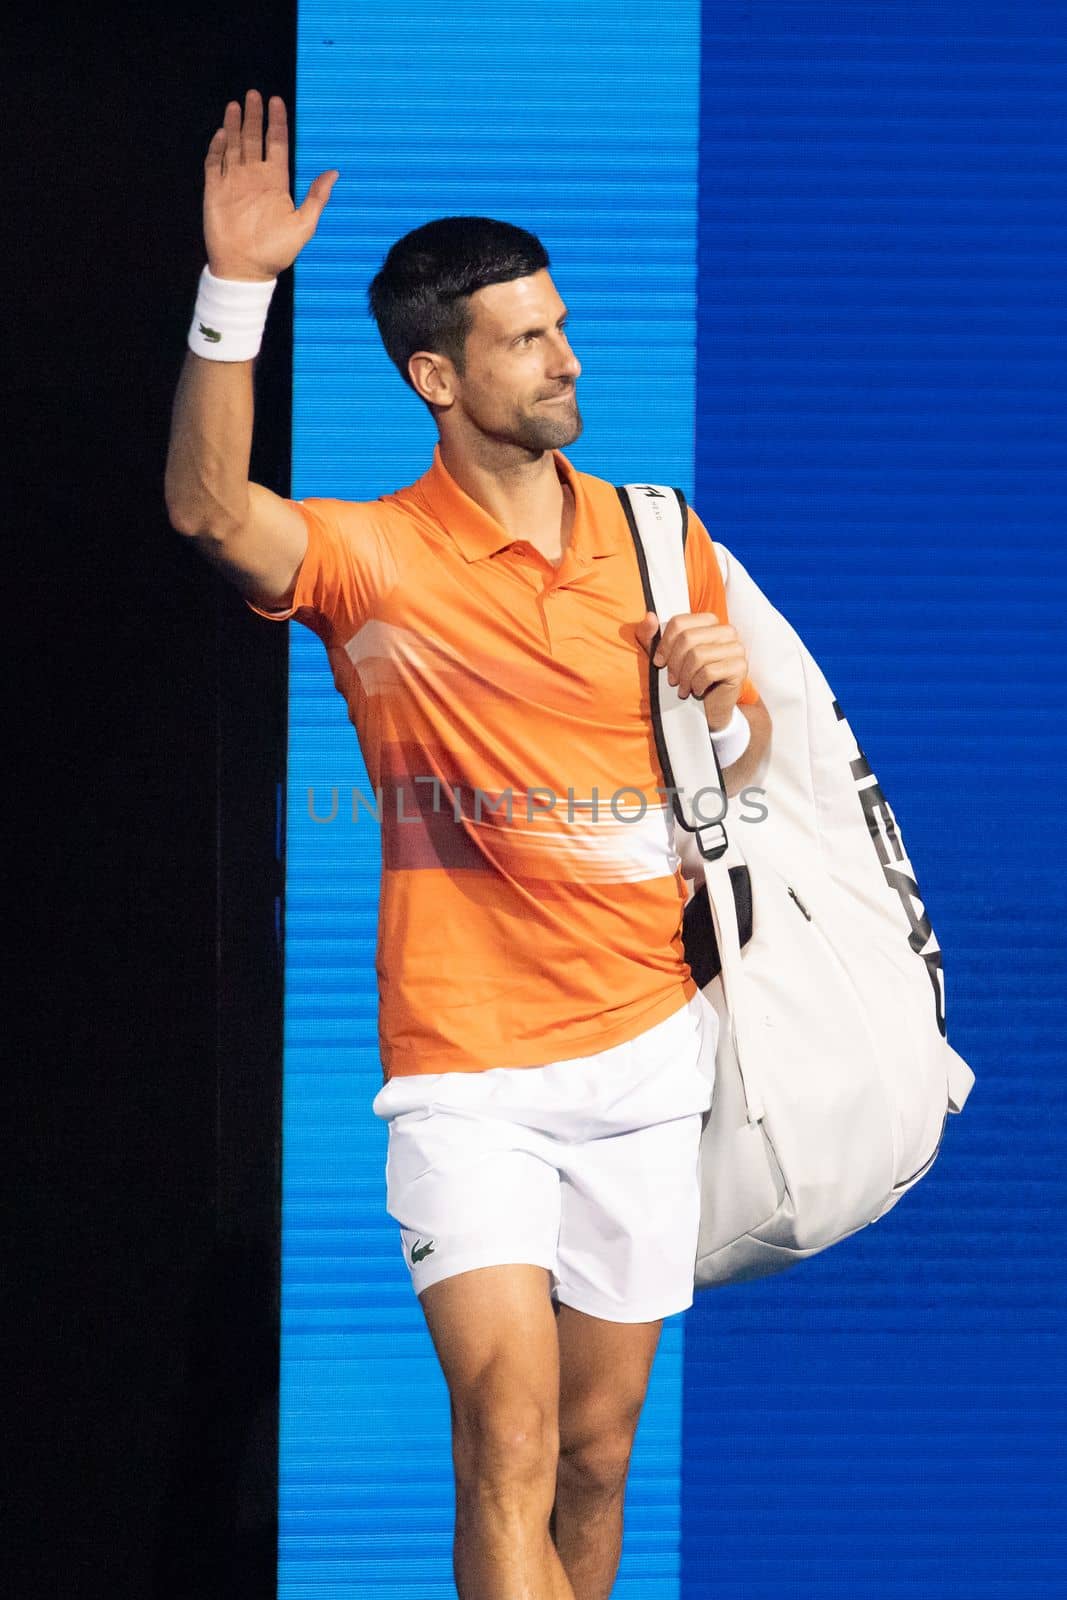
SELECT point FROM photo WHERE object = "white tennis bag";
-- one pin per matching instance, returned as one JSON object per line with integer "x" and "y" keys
{"x": 806, "y": 931}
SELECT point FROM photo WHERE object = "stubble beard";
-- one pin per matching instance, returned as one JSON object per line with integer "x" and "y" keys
{"x": 549, "y": 428}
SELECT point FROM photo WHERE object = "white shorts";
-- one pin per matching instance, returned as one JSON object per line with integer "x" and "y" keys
{"x": 588, "y": 1167}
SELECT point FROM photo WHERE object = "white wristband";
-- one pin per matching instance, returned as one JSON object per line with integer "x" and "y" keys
{"x": 229, "y": 318}
{"x": 731, "y": 742}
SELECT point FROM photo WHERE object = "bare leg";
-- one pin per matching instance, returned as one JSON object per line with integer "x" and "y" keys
{"x": 495, "y": 1337}
{"x": 604, "y": 1372}
{"x": 586, "y": 1525}
{"x": 503, "y": 1550}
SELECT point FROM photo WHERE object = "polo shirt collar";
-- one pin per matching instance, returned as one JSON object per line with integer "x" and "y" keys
{"x": 477, "y": 534}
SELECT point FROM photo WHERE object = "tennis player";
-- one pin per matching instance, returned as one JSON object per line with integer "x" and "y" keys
{"x": 548, "y": 1059}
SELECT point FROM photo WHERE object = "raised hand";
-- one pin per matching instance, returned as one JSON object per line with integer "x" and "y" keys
{"x": 252, "y": 229}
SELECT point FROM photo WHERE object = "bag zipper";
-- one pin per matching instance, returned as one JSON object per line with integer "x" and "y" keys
{"x": 800, "y": 904}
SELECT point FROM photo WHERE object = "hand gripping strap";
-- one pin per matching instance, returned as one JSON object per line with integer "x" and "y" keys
{"x": 657, "y": 519}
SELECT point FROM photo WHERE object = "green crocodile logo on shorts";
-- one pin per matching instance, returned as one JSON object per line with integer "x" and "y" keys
{"x": 211, "y": 334}
{"x": 417, "y": 1254}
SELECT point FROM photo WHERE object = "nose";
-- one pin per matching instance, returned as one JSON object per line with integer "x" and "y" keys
{"x": 566, "y": 363}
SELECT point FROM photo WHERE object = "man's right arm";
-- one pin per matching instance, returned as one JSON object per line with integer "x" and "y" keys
{"x": 256, "y": 539}
{"x": 252, "y": 232}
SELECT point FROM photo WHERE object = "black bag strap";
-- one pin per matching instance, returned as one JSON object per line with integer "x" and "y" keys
{"x": 658, "y": 519}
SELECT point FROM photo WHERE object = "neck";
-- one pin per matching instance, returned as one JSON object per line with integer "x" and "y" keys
{"x": 519, "y": 488}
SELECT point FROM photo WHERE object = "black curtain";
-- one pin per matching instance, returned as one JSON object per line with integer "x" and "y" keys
{"x": 147, "y": 708}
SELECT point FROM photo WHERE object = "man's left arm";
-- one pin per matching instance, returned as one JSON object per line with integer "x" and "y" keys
{"x": 743, "y": 770}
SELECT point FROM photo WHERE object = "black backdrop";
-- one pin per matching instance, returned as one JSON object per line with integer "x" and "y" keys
{"x": 142, "y": 1166}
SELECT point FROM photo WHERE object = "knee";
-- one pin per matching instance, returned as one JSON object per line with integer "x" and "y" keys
{"x": 507, "y": 1441}
{"x": 597, "y": 1465}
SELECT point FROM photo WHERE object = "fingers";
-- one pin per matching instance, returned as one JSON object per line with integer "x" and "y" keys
{"x": 241, "y": 140}
{"x": 215, "y": 152}
{"x": 710, "y": 677}
{"x": 278, "y": 134}
{"x": 697, "y": 650}
{"x": 704, "y": 624}
{"x": 315, "y": 199}
{"x": 697, "y": 658}
{"x": 684, "y": 633}
{"x": 696, "y": 673}
{"x": 646, "y": 632}
{"x": 252, "y": 132}
{"x": 231, "y": 123}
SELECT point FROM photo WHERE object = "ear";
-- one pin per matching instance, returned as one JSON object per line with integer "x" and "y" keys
{"x": 433, "y": 377}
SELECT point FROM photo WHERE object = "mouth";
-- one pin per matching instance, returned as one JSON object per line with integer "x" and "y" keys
{"x": 553, "y": 399}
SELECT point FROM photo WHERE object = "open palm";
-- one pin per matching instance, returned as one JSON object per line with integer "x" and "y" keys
{"x": 252, "y": 229}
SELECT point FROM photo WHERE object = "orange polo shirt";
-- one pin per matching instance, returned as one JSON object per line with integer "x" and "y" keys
{"x": 473, "y": 670}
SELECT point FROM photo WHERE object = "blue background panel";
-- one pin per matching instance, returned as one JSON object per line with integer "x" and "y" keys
{"x": 858, "y": 315}
{"x": 880, "y": 437}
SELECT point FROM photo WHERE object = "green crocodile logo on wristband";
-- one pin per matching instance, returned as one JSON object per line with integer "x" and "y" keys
{"x": 210, "y": 333}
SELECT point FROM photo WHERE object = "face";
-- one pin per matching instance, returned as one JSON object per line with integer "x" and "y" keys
{"x": 518, "y": 383}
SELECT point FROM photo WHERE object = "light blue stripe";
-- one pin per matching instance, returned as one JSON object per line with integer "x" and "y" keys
{"x": 579, "y": 122}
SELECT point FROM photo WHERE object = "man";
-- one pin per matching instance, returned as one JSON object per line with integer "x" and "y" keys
{"x": 548, "y": 1058}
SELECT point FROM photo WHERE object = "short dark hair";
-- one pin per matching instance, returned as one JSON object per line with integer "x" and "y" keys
{"x": 420, "y": 298}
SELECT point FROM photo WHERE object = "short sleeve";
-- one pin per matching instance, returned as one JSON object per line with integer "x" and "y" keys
{"x": 707, "y": 591}
{"x": 346, "y": 571}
